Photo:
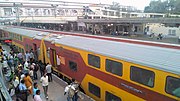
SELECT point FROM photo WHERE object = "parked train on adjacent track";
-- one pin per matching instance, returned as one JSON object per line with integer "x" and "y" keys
{"x": 107, "y": 70}
{"x": 149, "y": 43}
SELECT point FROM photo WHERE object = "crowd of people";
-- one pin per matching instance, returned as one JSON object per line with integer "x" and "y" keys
{"x": 23, "y": 76}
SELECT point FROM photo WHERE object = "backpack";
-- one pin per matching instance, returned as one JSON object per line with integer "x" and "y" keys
{"x": 71, "y": 92}
{"x": 36, "y": 67}
{"x": 42, "y": 67}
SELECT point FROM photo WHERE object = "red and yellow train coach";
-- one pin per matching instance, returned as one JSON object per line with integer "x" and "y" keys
{"x": 108, "y": 70}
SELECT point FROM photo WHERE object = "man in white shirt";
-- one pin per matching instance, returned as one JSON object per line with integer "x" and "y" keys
{"x": 44, "y": 81}
{"x": 16, "y": 82}
{"x": 26, "y": 66}
{"x": 5, "y": 53}
{"x": 31, "y": 56}
{"x": 5, "y": 66}
{"x": 27, "y": 56}
{"x": 22, "y": 76}
{"x": 48, "y": 69}
{"x": 37, "y": 96}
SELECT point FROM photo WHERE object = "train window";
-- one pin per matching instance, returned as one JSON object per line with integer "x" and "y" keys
{"x": 114, "y": 67}
{"x": 30, "y": 47}
{"x": 73, "y": 65}
{"x": 22, "y": 50}
{"x": 19, "y": 49}
{"x": 173, "y": 86}
{"x": 10, "y": 35}
{"x": 17, "y": 36}
{"x": 95, "y": 90}
{"x": 20, "y": 38}
{"x": 27, "y": 46}
{"x": 142, "y": 76}
{"x": 94, "y": 60}
{"x": 13, "y": 35}
{"x": 111, "y": 97}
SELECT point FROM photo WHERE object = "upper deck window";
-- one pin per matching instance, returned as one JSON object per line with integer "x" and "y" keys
{"x": 173, "y": 86}
{"x": 114, "y": 67}
{"x": 94, "y": 60}
{"x": 142, "y": 76}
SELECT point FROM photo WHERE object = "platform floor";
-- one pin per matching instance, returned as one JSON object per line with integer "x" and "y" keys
{"x": 55, "y": 90}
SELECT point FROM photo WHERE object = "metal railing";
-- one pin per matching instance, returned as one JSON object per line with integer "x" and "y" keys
{"x": 4, "y": 94}
{"x": 132, "y": 20}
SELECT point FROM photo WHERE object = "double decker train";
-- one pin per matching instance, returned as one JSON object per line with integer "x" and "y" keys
{"x": 106, "y": 70}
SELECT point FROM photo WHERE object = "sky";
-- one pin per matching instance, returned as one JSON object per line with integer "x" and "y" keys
{"x": 139, "y": 4}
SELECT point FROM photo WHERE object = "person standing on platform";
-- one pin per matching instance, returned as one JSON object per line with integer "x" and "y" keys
{"x": 49, "y": 70}
{"x": 4, "y": 65}
{"x": 72, "y": 91}
{"x": 16, "y": 60}
{"x": 20, "y": 57}
{"x": 35, "y": 88}
{"x": 31, "y": 56}
{"x": 16, "y": 82}
{"x": 28, "y": 82}
{"x": 44, "y": 81}
{"x": 23, "y": 91}
{"x": 31, "y": 73}
{"x": 76, "y": 86}
{"x": 37, "y": 97}
{"x": 42, "y": 67}
{"x": 36, "y": 68}
{"x": 27, "y": 56}
{"x": 69, "y": 90}
{"x": 5, "y": 53}
{"x": 26, "y": 67}
{"x": 11, "y": 62}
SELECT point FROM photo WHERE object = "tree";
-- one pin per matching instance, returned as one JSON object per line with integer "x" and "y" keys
{"x": 115, "y": 6}
{"x": 167, "y": 6}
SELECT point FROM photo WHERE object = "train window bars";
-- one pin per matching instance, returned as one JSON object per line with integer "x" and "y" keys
{"x": 114, "y": 67}
{"x": 111, "y": 97}
{"x": 20, "y": 38}
{"x": 73, "y": 65}
{"x": 94, "y": 60}
{"x": 95, "y": 90}
{"x": 142, "y": 76}
{"x": 173, "y": 86}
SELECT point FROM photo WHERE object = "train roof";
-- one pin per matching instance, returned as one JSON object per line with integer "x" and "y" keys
{"x": 165, "y": 59}
{"x": 24, "y": 32}
{"x": 156, "y": 57}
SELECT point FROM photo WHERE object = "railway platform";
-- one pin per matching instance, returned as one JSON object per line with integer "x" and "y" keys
{"x": 55, "y": 88}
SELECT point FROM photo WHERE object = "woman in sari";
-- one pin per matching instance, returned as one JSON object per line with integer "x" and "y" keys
{"x": 28, "y": 82}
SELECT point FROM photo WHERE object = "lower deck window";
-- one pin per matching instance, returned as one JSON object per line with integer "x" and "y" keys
{"x": 95, "y": 90}
{"x": 173, "y": 86}
{"x": 142, "y": 76}
{"x": 111, "y": 97}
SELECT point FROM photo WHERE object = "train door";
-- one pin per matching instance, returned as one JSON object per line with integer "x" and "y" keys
{"x": 54, "y": 58}
{"x": 35, "y": 51}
